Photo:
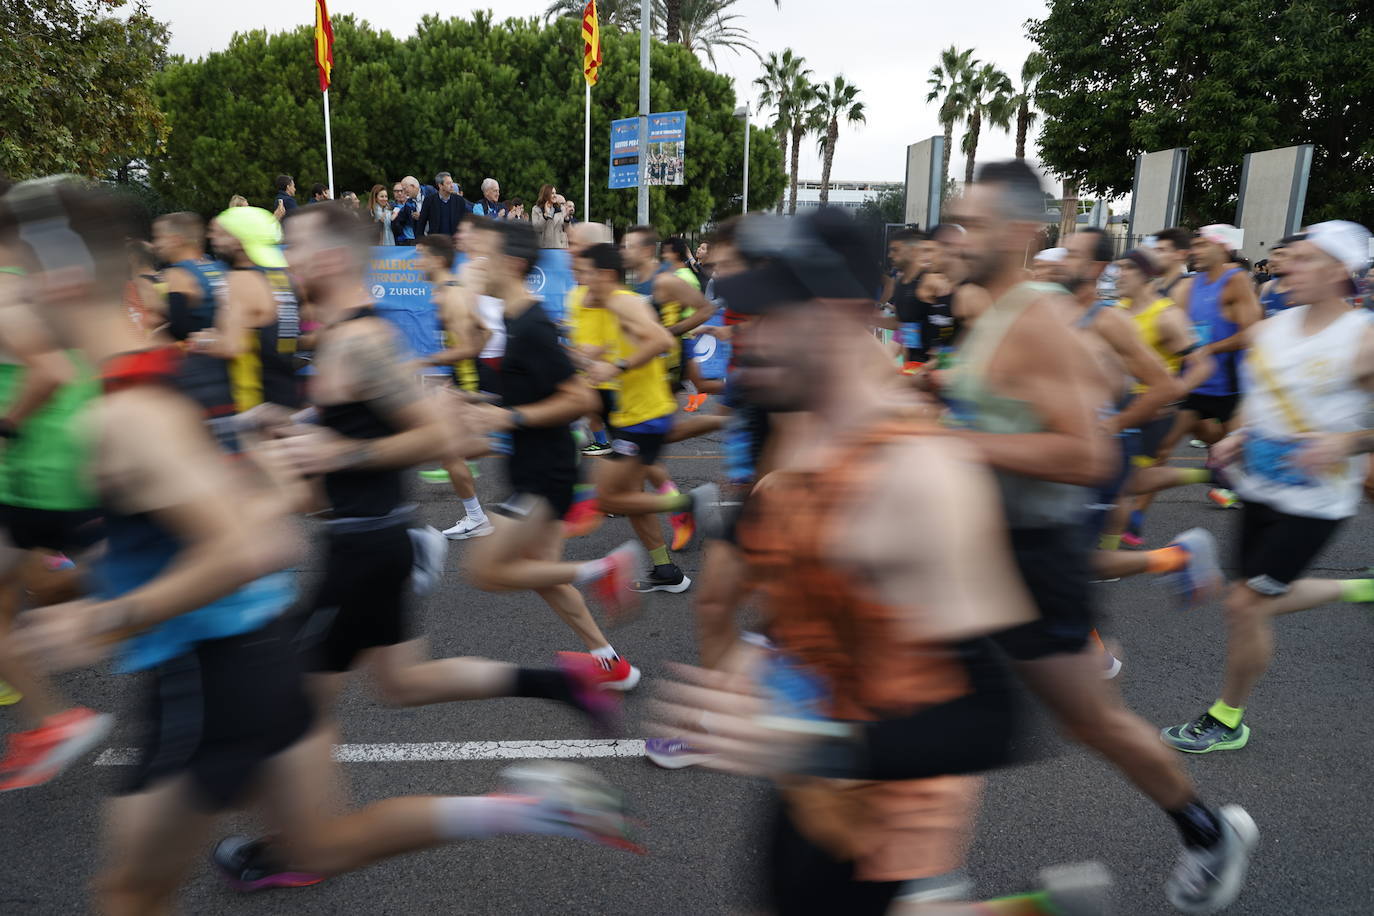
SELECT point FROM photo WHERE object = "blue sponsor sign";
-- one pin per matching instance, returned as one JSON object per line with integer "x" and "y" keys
{"x": 667, "y": 147}
{"x": 624, "y": 153}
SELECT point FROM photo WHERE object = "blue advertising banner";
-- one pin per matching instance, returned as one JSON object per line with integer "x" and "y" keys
{"x": 624, "y": 153}
{"x": 402, "y": 295}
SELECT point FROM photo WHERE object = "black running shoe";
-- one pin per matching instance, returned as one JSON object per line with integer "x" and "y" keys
{"x": 663, "y": 579}
{"x": 249, "y": 865}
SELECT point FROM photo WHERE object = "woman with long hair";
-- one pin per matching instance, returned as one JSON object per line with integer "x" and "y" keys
{"x": 549, "y": 217}
{"x": 379, "y": 210}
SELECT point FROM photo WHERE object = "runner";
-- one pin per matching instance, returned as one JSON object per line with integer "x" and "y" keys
{"x": 1300, "y": 462}
{"x": 911, "y": 259}
{"x": 1046, "y": 266}
{"x": 680, "y": 305}
{"x": 194, "y": 595}
{"x": 1274, "y": 294}
{"x": 874, "y": 639}
{"x": 1173, "y": 249}
{"x": 1025, "y": 395}
{"x": 465, "y": 337}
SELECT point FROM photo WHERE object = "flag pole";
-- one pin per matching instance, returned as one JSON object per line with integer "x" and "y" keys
{"x": 587, "y": 159}
{"x": 328, "y": 146}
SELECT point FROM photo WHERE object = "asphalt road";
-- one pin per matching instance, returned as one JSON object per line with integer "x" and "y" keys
{"x": 1303, "y": 776}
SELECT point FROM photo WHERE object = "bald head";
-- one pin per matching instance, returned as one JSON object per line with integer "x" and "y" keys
{"x": 584, "y": 235}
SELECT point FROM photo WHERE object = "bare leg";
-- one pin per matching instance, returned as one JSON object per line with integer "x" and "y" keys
{"x": 722, "y": 587}
{"x": 620, "y": 489}
{"x": 692, "y": 427}
{"x": 517, "y": 555}
{"x": 405, "y": 675}
{"x": 460, "y": 478}
{"x": 152, "y": 840}
{"x": 1250, "y": 635}
{"x": 1092, "y": 713}
{"x": 1119, "y": 564}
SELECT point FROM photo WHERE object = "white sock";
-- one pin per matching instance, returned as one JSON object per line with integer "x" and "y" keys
{"x": 468, "y": 817}
{"x": 474, "y": 509}
{"x": 592, "y": 570}
{"x": 605, "y": 653}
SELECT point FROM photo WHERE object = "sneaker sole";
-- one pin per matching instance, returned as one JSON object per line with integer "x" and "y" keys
{"x": 1113, "y": 669}
{"x": 1244, "y": 831}
{"x": 1234, "y": 744}
{"x": 475, "y": 533}
{"x": 677, "y": 589}
{"x": 627, "y": 683}
{"x": 676, "y": 761}
{"x": 69, "y": 754}
{"x": 273, "y": 882}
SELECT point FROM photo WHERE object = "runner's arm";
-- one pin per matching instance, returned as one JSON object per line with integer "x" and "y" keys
{"x": 1141, "y": 362}
{"x": 181, "y": 293}
{"x": 636, "y": 316}
{"x": 46, "y": 368}
{"x": 668, "y": 288}
{"x": 460, "y": 319}
{"x": 1240, "y": 306}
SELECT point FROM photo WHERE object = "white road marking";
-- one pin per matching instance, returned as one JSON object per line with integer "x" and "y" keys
{"x": 449, "y": 750}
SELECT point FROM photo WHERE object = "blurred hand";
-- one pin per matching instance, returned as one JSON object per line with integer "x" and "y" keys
{"x": 599, "y": 372}
{"x": 315, "y": 449}
{"x": 1323, "y": 452}
{"x": 64, "y": 636}
{"x": 1227, "y": 451}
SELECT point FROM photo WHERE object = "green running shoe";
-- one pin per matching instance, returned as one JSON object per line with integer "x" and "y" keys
{"x": 1205, "y": 734}
{"x": 434, "y": 475}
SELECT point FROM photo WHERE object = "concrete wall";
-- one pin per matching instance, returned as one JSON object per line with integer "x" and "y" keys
{"x": 1273, "y": 191}
{"x": 923, "y": 181}
{"x": 1157, "y": 195}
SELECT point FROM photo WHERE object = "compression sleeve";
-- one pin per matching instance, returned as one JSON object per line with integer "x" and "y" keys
{"x": 180, "y": 324}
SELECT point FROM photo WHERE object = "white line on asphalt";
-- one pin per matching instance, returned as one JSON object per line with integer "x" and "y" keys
{"x": 448, "y": 750}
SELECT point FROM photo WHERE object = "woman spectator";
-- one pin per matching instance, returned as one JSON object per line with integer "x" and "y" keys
{"x": 678, "y": 257}
{"x": 379, "y": 211}
{"x": 549, "y": 216}
{"x": 404, "y": 211}
{"x": 238, "y": 200}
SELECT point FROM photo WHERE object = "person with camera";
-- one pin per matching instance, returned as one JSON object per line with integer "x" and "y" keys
{"x": 551, "y": 214}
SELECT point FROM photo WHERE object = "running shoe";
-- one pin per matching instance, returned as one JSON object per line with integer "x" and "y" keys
{"x": 615, "y": 590}
{"x": 1209, "y": 880}
{"x": 1205, "y": 734}
{"x": 588, "y": 678}
{"x": 684, "y": 526}
{"x": 1197, "y": 443}
{"x": 1111, "y": 665}
{"x": 583, "y": 518}
{"x": 574, "y": 801}
{"x": 1083, "y": 889}
{"x": 37, "y": 756}
{"x": 434, "y": 475}
{"x": 706, "y": 510}
{"x": 469, "y": 527}
{"x": 1200, "y": 576}
{"x": 695, "y": 402}
{"x": 58, "y": 562}
{"x": 429, "y": 550}
{"x": 596, "y": 449}
{"x": 1224, "y": 498}
{"x": 663, "y": 579}
{"x": 8, "y": 695}
{"x": 674, "y": 753}
{"x": 1132, "y": 540}
{"x": 609, "y": 673}
{"x": 249, "y": 865}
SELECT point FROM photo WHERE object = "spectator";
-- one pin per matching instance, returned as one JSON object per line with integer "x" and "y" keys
{"x": 238, "y": 200}
{"x": 417, "y": 192}
{"x": 490, "y": 205}
{"x": 403, "y": 212}
{"x": 442, "y": 211}
{"x": 318, "y": 193}
{"x": 517, "y": 210}
{"x": 549, "y": 215}
{"x": 350, "y": 201}
{"x": 379, "y": 211}
{"x": 286, "y": 197}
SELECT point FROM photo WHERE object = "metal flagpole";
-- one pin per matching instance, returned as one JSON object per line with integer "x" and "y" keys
{"x": 587, "y": 160}
{"x": 328, "y": 146}
{"x": 746, "y": 156}
{"x": 643, "y": 212}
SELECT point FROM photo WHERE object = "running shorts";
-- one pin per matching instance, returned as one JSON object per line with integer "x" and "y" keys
{"x": 1276, "y": 548}
{"x": 361, "y": 603}
{"x": 1105, "y": 497}
{"x": 1219, "y": 407}
{"x": 1054, "y": 562}
{"x": 52, "y": 529}
{"x": 219, "y": 711}
{"x": 803, "y": 878}
{"x": 1145, "y": 443}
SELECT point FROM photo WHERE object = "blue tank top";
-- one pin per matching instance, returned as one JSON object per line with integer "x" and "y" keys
{"x": 1274, "y": 301}
{"x": 210, "y": 276}
{"x": 1205, "y": 311}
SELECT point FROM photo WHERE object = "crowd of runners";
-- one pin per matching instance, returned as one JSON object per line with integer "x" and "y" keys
{"x": 920, "y": 486}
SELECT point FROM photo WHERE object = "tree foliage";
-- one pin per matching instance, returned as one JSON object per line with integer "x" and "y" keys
{"x": 473, "y": 97}
{"x": 948, "y": 82}
{"x": 885, "y": 207}
{"x": 1220, "y": 77}
{"x": 74, "y": 87}
{"x": 835, "y": 101}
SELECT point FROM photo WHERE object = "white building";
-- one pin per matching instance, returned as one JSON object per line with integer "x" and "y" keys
{"x": 847, "y": 194}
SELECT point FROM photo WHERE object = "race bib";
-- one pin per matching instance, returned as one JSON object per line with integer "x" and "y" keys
{"x": 1276, "y": 460}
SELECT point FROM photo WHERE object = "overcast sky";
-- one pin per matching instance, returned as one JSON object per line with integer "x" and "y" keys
{"x": 886, "y": 47}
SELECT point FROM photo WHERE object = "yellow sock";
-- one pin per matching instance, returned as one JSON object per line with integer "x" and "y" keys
{"x": 1229, "y": 716}
{"x": 1195, "y": 475}
{"x": 660, "y": 556}
{"x": 1357, "y": 590}
{"x": 1109, "y": 542}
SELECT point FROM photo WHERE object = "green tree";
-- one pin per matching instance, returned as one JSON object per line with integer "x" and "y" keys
{"x": 470, "y": 96}
{"x": 783, "y": 75}
{"x": 1031, "y": 71}
{"x": 75, "y": 86}
{"x": 705, "y": 26}
{"x": 883, "y": 208}
{"x": 948, "y": 82}
{"x": 988, "y": 98}
{"x": 1220, "y": 77}
{"x": 836, "y": 100}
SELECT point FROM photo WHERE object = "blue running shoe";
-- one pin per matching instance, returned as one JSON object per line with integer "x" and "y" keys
{"x": 1205, "y": 734}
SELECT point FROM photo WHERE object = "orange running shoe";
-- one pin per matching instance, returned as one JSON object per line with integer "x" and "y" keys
{"x": 583, "y": 518}
{"x": 695, "y": 402}
{"x": 684, "y": 525}
{"x": 37, "y": 756}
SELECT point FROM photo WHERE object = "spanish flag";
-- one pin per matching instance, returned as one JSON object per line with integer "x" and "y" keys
{"x": 324, "y": 44}
{"x": 591, "y": 43}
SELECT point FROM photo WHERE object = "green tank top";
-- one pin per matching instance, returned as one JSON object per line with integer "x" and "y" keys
{"x": 45, "y": 466}
{"x": 1028, "y": 502}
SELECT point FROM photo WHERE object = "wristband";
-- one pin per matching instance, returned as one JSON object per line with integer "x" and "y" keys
{"x": 621, "y": 364}
{"x": 517, "y": 418}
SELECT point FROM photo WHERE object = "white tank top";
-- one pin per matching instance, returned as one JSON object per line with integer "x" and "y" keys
{"x": 492, "y": 313}
{"x": 1296, "y": 383}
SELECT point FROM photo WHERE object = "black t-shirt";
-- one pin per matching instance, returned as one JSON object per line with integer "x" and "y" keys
{"x": 910, "y": 319}
{"x": 939, "y": 327}
{"x": 288, "y": 202}
{"x": 533, "y": 367}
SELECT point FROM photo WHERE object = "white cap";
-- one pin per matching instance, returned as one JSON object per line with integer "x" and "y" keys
{"x": 1223, "y": 234}
{"x": 1345, "y": 241}
{"x": 1052, "y": 255}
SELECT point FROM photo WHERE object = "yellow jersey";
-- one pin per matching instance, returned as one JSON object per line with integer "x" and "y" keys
{"x": 644, "y": 393}
{"x": 1147, "y": 325}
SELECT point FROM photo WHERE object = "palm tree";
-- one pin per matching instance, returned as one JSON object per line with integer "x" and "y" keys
{"x": 989, "y": 97}
{"x": 780, "y": 76}
{"x": 1031, "y": 71}
{"x": 805, "y": 120}
{"x": 835, "y": 100}
{"x": 948, "y": 82}
{"x": 621, "y": 15}
{"x": 705, "y": 26}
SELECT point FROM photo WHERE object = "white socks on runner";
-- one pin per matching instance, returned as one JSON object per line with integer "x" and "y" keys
{"x": 464, "y": 817}
{"x": 474, "y": 509}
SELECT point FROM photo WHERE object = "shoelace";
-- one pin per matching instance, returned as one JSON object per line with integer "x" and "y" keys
{"x": 1198, "y": 726}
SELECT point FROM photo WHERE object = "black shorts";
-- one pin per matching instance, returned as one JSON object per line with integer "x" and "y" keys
{"x": 1219, "y": 407}
{"x": 803, "y": 878}
{"x": 1105, "y": 497}
{"x": 1276, "y": 548}
{"x": 1054, "y": 562}
{"x": 362, "y": 601}
{"x": 1145, "y": 443}
{"x": 558, "y": 492}
{"x": 53, "y": 529}
{"x": 645, "y": 446}
{"x": 219, "y": 711}
{"x": 608, "y": 403}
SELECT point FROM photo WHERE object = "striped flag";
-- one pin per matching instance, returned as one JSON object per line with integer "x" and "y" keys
{"x": 324, "y": 44}
{"x": 591, "y": 43}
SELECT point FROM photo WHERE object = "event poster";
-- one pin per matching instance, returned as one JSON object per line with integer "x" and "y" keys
{"x": 667, "y": 150}
{"x": 624, "y": 153}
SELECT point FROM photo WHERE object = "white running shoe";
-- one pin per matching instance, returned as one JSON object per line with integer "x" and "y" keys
{"x": 469, "y": 527}
{"x": 430, "y": 550}
{"x": 1209, "y": 880}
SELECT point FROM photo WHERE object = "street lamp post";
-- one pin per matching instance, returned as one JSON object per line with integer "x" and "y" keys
{"x": 743, "y": 112}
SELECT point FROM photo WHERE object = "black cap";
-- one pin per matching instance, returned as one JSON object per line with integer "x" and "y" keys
{"x": 819, "y": 256}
